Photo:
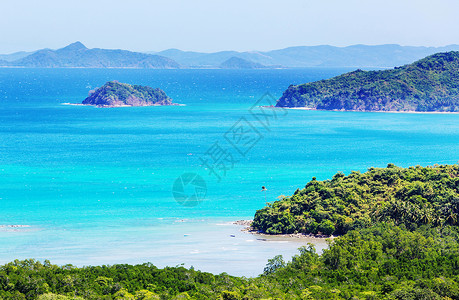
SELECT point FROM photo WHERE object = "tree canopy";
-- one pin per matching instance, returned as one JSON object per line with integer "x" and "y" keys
{"x": 411, "y": 196}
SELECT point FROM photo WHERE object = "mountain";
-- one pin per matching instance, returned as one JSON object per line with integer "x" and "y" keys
{"x": 202, "y": 60}
{"x": 114, "y": 94}
{"x": 358, "y": 56}
{"x": 197, "y": 59}
{"x": 240, "y": 63}
{"x": 76, "y": 55}
{"x": 14, "y": 56}
{"x": 430, "y": 84}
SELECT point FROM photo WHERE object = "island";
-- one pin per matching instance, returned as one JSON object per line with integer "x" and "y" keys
{"x": 116, "y": 94}
{"x": 240, "y": 63}
{"x": 428, "y": 85}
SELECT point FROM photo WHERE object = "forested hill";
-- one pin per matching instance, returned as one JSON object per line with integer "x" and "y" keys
{"x": 430, "y": 84}
{"x": 115, "y": 93}
{"x": 410, "y": 197}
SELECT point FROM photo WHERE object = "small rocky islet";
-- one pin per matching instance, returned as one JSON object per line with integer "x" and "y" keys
{"x": 117, "y": 94}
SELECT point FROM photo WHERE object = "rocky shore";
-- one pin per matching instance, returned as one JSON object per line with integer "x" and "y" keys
{"x": 247, "y": 227}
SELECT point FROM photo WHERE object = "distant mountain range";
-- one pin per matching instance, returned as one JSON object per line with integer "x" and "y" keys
{"x": 76, "y": 55}
{"x": 358, "y": 56}
{"x": 14, "y": 56}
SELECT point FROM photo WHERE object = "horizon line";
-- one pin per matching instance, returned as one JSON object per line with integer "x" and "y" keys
{"x": 238, "y": 51}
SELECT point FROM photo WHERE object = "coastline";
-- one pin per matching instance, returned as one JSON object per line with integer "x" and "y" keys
{"x": 16, "y": 228}
{"x": 366, "y": 111}
{"x": 249, "y": 229}
{"x": 124, "y": 105}
{"x": 374, "y": 111}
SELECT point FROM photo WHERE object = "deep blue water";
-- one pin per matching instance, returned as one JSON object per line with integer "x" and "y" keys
{"x": 95, "y": 184}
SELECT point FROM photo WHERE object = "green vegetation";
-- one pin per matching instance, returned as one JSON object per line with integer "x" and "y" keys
{"x": 412, "y": 196}
{"x": 114, "y": 93}
{"x": 381, "y": 262}
{"x": 400, "y": 241}
{"x": 430, "y": 84}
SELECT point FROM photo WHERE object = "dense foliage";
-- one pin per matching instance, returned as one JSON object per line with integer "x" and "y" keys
{"x": 382, "y": 262}
{"x": 115, "y": 93}
{"x": 430, "y": 84}
{"x": 412, "y": 196}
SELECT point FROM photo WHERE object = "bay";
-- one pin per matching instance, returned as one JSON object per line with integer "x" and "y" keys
{"x": 95, "y": 185}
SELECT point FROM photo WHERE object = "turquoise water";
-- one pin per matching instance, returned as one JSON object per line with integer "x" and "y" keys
{"x": 95, "y": 185}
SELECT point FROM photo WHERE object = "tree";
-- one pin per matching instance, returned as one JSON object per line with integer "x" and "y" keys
{"x": 326, "y": 227}
{"x": 274, "y": 264}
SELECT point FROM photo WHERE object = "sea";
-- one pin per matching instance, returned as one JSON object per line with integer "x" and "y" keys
{"x": 90, "y": 186}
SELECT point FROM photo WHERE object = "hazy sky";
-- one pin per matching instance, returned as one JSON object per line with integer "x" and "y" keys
{"x": 211, "y": 25}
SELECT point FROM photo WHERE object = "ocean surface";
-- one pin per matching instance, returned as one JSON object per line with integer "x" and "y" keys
{"x": 95, "y": 186}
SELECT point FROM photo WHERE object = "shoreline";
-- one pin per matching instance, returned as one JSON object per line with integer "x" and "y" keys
{"x": 365, "y": 111}
{"x": 115, "y": 106}
{"x": 14, "y": 226}
{"x": 249, "y": 229}
{"x": 374, "y": 111}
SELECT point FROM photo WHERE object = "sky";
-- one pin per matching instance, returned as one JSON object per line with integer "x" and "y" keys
{"x": 214, "y": 25}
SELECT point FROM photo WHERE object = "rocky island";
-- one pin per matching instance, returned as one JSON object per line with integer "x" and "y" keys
{"x": 240, "y": 63}
{"x": 116, "y": 94}
{"x": 428, "y": 85}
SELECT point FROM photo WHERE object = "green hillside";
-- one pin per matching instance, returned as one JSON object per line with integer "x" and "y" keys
{"x": 430, "y": 84}
{"x": 410, "y": 197}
